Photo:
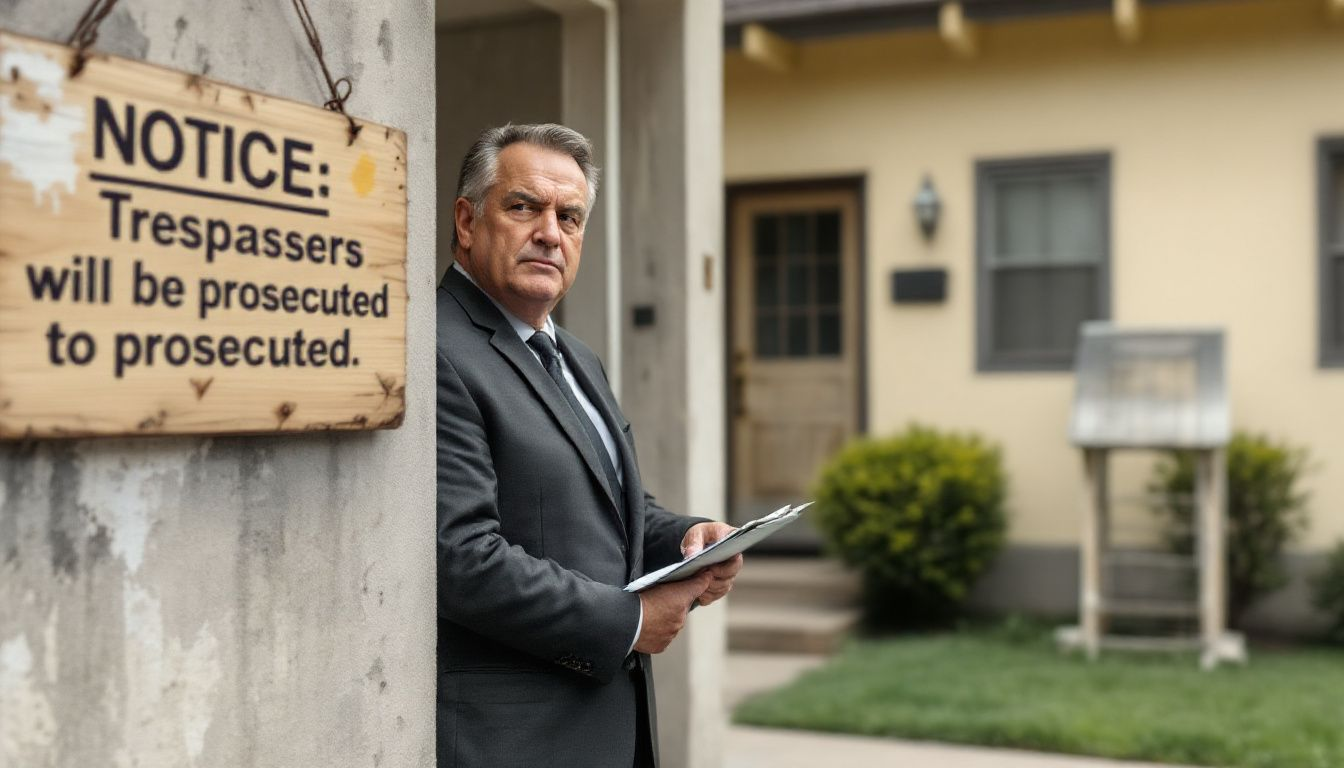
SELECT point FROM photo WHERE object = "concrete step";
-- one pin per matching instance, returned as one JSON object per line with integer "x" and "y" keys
{"x": 787, "y": 629}
{"x": 796, "y": 581}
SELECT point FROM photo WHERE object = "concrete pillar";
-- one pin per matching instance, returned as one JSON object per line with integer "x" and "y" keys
{"x": 589, "y": 76}
{"x": 249, "y": 601}
{"x": 672, "y": 262}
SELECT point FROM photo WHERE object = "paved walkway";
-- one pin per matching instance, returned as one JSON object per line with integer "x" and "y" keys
{"x": 749, "y": 673}
{"x": 769, "y": 748}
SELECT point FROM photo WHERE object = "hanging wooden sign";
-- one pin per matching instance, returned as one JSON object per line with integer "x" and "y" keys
{"x": 183, "y": 256}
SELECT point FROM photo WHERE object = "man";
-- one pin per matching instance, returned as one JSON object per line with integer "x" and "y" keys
{"x": 543, "y": 658}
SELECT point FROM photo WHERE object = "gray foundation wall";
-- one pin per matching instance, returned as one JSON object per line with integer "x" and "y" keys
{"x": 235, "y": 602}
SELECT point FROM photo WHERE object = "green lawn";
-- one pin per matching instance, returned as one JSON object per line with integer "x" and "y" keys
{"x": 1011, "y": 688}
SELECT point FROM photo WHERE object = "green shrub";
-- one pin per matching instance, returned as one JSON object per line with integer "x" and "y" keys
{"x": 1327, "y": 591}
{"x": 1266, "y": 511}
{"x": 919, "y": 514}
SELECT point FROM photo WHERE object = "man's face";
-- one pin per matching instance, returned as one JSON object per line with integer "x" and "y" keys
{"x": 523, "y": 248}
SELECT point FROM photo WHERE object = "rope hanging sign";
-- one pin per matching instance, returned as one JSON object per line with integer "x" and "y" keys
{"x": 184, "y": 256}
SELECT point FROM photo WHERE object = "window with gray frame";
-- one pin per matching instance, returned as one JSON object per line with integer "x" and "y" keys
{"x": 1331, "y": 277}
{"x": 1043, "y": 255}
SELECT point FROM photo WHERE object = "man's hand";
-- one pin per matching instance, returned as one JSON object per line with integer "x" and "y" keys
{"x": 701, "y": 536}
{"x": 665, "y": 608}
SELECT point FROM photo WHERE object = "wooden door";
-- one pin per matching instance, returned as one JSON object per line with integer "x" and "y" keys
{"x": 795, "y": 345}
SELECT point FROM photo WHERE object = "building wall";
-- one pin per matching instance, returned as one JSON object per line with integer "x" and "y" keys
{"x": 1211, "y": 121}
{"x": 235, "y": 602}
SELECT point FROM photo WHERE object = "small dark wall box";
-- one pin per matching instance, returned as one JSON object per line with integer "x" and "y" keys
{"x": 919, "y": 286}
{"x": 644, "y": 316}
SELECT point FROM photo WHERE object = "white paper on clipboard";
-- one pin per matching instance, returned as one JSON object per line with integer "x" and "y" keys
{"x": 734, "y": 543}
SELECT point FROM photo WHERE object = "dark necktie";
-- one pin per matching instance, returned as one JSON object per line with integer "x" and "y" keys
{"x": 550, "y": 358}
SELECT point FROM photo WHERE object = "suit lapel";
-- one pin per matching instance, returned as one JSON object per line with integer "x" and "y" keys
{"x": 505, "y": 341}
{"x": 588, "y": 378}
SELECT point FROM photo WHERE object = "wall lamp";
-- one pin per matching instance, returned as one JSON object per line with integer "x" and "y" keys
{"x": 927, "y": 207}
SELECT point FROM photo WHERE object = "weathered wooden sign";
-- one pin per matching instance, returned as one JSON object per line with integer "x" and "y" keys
{"x": 182, "y": 256}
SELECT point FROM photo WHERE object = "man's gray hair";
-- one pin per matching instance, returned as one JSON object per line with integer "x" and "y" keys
{"x": 480, "y": 166}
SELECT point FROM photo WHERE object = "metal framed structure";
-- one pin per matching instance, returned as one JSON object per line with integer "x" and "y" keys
{"x": 1152, "y": 389}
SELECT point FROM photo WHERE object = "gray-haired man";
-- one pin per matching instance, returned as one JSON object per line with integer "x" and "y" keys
{"x": 543, "y": 659}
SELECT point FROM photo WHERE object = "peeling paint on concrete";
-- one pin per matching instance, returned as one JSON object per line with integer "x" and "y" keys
{"x": 167, "y": 681}
{"x": 51, "y": 659}
{"x": 38, "y": 144}
{"x": 27, "y": 726}
{"x": 123, "y": 506}
{"x": 201, "y": 669}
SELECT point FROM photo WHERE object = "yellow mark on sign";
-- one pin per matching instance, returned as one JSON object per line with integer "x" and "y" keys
{"x": 362, "y": 176}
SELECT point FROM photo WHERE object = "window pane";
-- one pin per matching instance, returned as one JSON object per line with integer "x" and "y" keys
{"x": 795, "y": 235}
{"x": 766, "y": 236}
{"x": 828, "y": 233}
{"x": 1332, "y": 309}
{"x": 1045, "y": 256}
{"x": 797, "y": 283}
{"x": 1019, "y": 321}
{"x": 1336, "y": 207}
{"x": 828, "y": 282}
{"x": 1072, "y": 301}
{"x": 1074, "y": 216}
{"x": 798, "y": 327}
{"x": 1039, "y": 311}
{"x": 1019, "y": 220}
{"x": 828, "y": 333}
{"x": 1336, "y": 329}
{"x": 767, "y": 334}
{"x": 767, "y": 285}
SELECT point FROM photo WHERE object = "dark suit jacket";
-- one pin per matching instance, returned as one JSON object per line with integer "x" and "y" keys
{"x": 532, "y": 555}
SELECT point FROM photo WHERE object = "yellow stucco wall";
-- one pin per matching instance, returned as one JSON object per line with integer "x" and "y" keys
{"x": 1211, "y": 120}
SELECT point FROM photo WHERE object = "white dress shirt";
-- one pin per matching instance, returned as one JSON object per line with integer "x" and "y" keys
{"x": 525, "y": 331}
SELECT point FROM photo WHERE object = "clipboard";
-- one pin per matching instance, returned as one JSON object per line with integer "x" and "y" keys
{"x": 734, "y": 543}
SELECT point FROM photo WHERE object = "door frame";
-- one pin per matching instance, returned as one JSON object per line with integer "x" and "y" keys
{"x": 734, "y": 191}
